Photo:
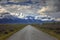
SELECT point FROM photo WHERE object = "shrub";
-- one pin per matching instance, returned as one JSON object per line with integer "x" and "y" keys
{"x": 5, "y": 32}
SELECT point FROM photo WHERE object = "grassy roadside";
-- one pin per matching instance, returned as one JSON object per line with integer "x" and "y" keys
{"x": 9, "y": 29}
{"x": 50, "y": 32}
{"x": 47, "y": 30}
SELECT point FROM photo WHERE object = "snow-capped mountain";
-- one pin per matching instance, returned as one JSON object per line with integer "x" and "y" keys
{"x": 44, "y": 18}
{"x": 36, "y": 17}
{"x": 8, "y": 18}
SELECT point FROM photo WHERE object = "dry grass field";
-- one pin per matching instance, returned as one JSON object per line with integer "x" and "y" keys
{"x": 51, "y": 28}
{"x": 6, "y": 30}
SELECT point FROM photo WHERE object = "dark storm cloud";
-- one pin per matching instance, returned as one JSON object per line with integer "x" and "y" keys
{"x": 53, "y": 6}
{"x": 54, "y": 14}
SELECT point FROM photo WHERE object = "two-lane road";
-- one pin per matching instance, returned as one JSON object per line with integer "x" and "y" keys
{"x": 31, "y": 33}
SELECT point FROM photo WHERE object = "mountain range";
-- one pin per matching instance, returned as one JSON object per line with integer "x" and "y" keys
{"x": 7, "y": 18}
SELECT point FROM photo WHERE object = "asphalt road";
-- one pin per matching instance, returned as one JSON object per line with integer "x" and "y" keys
{"x": 30, "y": 33}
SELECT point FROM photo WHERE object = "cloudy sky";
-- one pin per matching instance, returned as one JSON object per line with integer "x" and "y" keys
{"x": 51, "y": 8}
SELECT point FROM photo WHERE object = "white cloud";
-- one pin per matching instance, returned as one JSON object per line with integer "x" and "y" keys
{"x": 42, "y": 10}
{"x": 2, "y": 10}
{"x": 18, "y": 0}
{"x": 28, "y": 10}
{"x": 57, "y": 19}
